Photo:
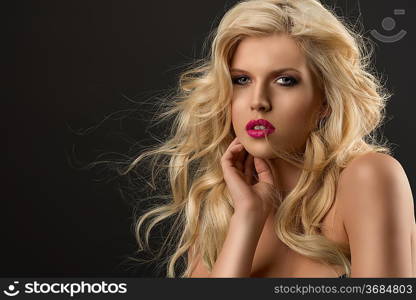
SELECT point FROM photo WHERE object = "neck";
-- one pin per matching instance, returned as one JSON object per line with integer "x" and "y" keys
{"x": 286, "y": 173}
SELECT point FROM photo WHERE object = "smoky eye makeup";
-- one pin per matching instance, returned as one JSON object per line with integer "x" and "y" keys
{"x": 287, "y": 80}
{"x": 283, "y": 80}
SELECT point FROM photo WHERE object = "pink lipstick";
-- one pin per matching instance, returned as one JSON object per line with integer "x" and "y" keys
{"x": 259, "y": 128}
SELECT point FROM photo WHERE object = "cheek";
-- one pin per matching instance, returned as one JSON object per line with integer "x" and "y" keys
{"x": 234, "y": 122}
{"x": 299, "y": 111}
{"x": 233, "y": 116}
{"x": 298, "y": 116}
{"x": 237, "y": 115}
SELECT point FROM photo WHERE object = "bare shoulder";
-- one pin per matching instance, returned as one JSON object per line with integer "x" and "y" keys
{"x": 373, "y": 163}
{"x": 376, "y": 178}
{"x": 377, "y": 212}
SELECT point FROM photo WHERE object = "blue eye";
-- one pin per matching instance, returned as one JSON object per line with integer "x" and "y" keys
{"x": 236, "y": 80}
{"x": 287, "y": 80}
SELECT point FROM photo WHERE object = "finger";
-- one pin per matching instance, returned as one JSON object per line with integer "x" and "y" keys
{"x": 235, "y": 141}
{"x": 242, "y": 155}
{"x": 230, "y": 157}
{"x": 249, "y": 168}
{"x": 263, "y": 170}
{"x": 232, "y": 144}
{"x": 239, "y": 158}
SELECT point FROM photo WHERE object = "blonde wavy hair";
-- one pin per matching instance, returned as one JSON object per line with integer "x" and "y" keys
{"x": 339, "y": 59}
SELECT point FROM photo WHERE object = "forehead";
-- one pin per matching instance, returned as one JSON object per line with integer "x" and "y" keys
{"x": 262, "y": 53}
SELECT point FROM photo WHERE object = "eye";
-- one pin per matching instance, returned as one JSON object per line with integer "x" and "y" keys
{"x": 287, "y": 81}
{"x": 236, "y": 80}
{"x": 284, "y": 80}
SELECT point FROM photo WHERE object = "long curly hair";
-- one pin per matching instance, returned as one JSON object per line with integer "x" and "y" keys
{"x": 340, "y": 60}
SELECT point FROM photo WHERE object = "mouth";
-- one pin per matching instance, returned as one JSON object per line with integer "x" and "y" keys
{"x": 259, "y": 128}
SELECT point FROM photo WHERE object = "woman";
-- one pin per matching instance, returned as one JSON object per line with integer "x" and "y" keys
{"x": 274, "y": 166}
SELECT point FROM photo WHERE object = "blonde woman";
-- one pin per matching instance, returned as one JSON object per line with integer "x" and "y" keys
{"x": 274, "y": 166}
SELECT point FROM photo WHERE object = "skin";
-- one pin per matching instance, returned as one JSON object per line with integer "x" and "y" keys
{"x": 373, "y": 193}
{"x": 292, "y": 110}
{"x": 289, "y": 99}
{"x": 377, "y": 210}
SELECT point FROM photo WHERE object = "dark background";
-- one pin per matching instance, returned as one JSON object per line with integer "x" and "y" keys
{"x": 68, "y": 65}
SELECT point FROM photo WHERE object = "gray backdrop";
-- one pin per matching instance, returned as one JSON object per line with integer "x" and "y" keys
{"x": 70, "y": 65}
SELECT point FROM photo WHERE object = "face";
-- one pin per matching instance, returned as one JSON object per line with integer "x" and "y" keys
{"x": 271, "y": 81}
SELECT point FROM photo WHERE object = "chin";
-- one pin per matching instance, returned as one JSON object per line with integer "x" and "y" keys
{"x": 261, "y": 151}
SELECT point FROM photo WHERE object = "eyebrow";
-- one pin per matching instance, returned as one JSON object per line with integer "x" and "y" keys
{"x": 273, "y": 72}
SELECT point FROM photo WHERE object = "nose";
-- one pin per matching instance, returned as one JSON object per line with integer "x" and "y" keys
{"x": 260, "y": 100}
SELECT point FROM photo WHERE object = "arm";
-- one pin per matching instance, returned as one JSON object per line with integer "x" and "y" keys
{"x": 253, "y": 202}
{"x": 377, "y": 210}
{"x": 237, "y": 253}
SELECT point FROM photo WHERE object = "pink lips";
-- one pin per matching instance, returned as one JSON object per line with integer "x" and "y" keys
{"x": 259, "y": 133}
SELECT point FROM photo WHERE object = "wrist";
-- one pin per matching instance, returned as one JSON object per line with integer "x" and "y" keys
{"x": 250, "y": 221}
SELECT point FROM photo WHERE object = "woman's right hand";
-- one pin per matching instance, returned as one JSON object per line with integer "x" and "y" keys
{"x": 257, "y": 199}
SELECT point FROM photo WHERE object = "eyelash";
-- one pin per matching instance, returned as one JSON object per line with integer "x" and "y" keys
{"x": 294, "y": 81}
